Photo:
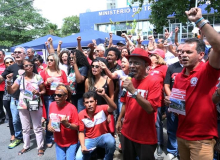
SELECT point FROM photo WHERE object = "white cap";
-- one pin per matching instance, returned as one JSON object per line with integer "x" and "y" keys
{"x": 6, "y": 57}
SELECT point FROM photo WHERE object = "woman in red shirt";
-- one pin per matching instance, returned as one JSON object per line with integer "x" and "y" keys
{"x": 52, "y": 76}
{"x": 158, "y": 68}
{"x": 64, "y": 123}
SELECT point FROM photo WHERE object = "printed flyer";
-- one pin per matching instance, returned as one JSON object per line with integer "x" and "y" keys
{"x": 177, "y": 99}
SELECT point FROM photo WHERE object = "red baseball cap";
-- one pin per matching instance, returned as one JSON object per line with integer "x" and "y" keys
{"x": 138, "y": 52}
{"x": 159, "y": 52}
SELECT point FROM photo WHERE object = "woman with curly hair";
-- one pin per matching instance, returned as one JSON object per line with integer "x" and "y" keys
{"x": 63, "y": 56}
{"x": 77, "y": 73}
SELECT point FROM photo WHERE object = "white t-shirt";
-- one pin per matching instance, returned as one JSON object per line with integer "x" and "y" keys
{"x": 63, "y": 67}
{"x": 170, "y": 58}
{"x": 120, "y": 74}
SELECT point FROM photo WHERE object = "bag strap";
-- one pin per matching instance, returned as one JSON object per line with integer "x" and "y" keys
{"x": 23, "y": 82}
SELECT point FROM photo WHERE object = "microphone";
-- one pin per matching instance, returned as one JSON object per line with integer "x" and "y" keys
{"x": 124, "y": 91}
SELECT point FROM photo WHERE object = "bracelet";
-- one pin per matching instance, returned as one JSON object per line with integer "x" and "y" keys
{"x": 69, "y": 126}
{"x": 217, "y": 94}
{"x": 199, "y": 20}
{"x": 203, "y": 23}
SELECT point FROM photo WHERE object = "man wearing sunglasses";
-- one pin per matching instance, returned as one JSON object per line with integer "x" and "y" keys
{"x": 2, "y": 86}
{"x": 13, "y": 71}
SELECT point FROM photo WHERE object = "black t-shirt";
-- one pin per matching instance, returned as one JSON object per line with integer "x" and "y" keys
{"x": 172, "y": 71}
{"x": 15, "y": 69}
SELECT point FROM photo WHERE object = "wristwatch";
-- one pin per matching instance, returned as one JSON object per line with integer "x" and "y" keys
{"x": 134, "y": 95}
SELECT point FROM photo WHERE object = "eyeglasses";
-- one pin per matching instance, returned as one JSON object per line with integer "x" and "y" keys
{"x": 179, "y": 51}
{"x": 95, "y": 66}
{"x": 51, "y": 60}
{"x": 18, "y": 52}
{"x": 9, "y": 62}
{"x": 59, "y": 95}
{"x": 28, "y": 65}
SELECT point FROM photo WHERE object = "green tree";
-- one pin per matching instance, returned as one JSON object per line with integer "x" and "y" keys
{"x": 52, "y": 29}
{"x": 161, "y": 9}
{"x": 19, "y": 22}
{"x": 70, "y": 25}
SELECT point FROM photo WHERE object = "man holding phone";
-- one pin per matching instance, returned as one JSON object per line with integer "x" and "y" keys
{"x": 93, "y": 131}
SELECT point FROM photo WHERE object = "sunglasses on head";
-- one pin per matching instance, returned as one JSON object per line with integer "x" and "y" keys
{"x": 9, "y": 62}
{"x": 95, "y": 66}
{"x": 28, "y": 65}
{"x": 59, "y": 95}
{"x": 51, "y": 60}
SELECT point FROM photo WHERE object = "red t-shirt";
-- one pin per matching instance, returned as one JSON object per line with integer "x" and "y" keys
{"x": 41, "y": 68}
{"x": 2, "y": 85}
{"x": 138, "y": 125}
{"x": 200, "y": 121}
{"x": 62, "y": 79}
{"x": 159, "y": 71}
{"x": 66, "y": 136}
{"x": 96, "y": 126}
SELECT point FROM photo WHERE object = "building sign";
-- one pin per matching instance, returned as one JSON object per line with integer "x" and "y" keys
{"x": 123, "y": 11}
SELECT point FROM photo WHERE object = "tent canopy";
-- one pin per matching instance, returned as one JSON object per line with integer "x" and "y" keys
{"x": 36, "y": 44}
{"x": 86, "y": 38}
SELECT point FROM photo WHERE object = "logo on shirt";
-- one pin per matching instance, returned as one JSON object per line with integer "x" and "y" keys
{"x": 98, "y": 119}
{"x": 154, "y": 72}
{"x": 142, "y": 92}
{"x": 193, "y": 81}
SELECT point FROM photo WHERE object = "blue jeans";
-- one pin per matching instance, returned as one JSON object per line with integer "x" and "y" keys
{"x": 16, "y": 119}
{"x": 77, "y": 101}
{"x": 159, "y": 127}
{"x": 80, "y": 105}
{"x": 47, "y": 101}
{"x": 66, "y": 153}
{"x": 106, "y": 141}
{"x": 172, "y": 125}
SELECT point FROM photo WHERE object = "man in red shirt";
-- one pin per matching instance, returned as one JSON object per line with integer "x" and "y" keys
{"x": 139, "y": 138}
{"x": 93, "y": 131}
{"x": 197, "y": 126}
{"x": 2, "y": 87}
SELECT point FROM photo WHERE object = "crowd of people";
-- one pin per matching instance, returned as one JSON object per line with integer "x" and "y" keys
{"x": 88, "y": 97}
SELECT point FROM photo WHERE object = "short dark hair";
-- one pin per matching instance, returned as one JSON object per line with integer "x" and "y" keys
{"x": 89, "y": 94}
{"x": 39, "y": 58}
{"x": 2, "y": 52}
{"x": 116, "y": 50}
{"x": 200, "y": 44}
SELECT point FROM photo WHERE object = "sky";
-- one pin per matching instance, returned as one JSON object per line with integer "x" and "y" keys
{"x": 57, "y": 10}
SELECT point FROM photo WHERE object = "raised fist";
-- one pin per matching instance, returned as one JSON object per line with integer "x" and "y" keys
{"x": 194, "y": 14}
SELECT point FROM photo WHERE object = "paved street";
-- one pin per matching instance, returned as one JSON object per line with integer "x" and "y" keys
{"x": 12, "y": 154}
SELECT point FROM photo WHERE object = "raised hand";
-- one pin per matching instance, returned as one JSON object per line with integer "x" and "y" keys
{"x": 166, "y": 34}
{"x": 176, "y": 29}
{"x": 194, "y": 14}
{"x": 46, "y": 44}
{"x": 91, "y": 46}
{"x": 9, "y": 77}
{"x": 60, "y": 42}
{"x": 50, "y": 40}
{"x": 110, "y": 35}
{"x": 78, "y": 38}
{"x": 102, "y": 65}
{"x": 100, "y": 91}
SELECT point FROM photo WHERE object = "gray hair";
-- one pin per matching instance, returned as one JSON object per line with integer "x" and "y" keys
{"x": 32, "y": 50}
{"x": 102, "y": 47}
{"x": 24, "y": 50}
